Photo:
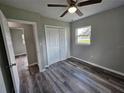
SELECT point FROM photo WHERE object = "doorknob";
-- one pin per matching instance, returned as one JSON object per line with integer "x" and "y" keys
{"x": 10, "y": 66}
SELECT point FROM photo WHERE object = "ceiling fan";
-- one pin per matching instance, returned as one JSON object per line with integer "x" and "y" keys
{"x": 74, "y": 4}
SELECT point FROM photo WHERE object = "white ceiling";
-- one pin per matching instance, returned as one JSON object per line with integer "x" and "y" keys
{"x": 40, "y": 6}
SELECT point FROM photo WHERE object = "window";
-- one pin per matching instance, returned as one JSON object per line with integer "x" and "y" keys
{"x": 83, "y": 35}
{"x": 23, "y": 39}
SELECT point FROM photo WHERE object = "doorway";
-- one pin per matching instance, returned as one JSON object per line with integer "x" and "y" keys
{"x": 20, "y": 50}
{"x": 25, "y": 51}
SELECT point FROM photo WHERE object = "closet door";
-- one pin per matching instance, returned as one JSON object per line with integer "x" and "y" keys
{"x": 63, "y": 44}
{"x": 52, "y": 41}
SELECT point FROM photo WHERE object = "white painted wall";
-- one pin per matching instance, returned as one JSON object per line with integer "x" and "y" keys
{"x": 107, "y": 39}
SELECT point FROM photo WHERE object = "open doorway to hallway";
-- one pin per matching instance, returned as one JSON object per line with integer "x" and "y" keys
{"x": 20, "y": 51}
{"x": 25, "y": 50}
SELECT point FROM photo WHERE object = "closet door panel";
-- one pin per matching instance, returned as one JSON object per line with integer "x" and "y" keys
{"x": 52, "y": 39}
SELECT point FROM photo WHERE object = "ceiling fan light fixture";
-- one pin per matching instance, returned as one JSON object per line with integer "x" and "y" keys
{"x": 72, "y": 9}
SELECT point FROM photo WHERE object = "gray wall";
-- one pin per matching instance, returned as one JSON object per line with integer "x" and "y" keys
{"x": 17, "y": 41}
{"x": 15, "y": 13}
{"x": 107, "y": 39}
{"x": 30, "y": 44}
{"x": 29, "y": 41}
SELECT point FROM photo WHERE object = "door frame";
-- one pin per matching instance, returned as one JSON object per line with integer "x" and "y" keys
{"x": 35, "y": 31}
{"x": 67, "y": 41}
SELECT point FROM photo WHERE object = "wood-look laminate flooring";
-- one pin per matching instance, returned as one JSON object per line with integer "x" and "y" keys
{"x": 72, "y": 77}
{"x": 28, "y": 82}
{"x": 69, "y": 77}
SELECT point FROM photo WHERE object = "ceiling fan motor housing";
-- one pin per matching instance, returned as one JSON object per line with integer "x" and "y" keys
{"x": 73, "y": 6}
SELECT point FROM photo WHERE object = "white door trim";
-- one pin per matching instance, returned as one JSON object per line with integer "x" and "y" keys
{"x": 35, "y": 36}
{"x": 17, "y": 28}
{"x": 54, "y": 26}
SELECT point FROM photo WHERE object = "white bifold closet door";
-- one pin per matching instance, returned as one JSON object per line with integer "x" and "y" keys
{"x": 56, "y": 44}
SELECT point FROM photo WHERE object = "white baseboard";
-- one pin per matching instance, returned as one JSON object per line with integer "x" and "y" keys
{"x": 43, "y": 70}
{"x": 111, "y": 70}
{"x": 46, "y": 66}
{"x": 35, "y": 63}
{"x": 20, "y": 54}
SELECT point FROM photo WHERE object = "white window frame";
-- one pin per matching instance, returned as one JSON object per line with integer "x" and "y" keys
{"x": 76, "y": 37}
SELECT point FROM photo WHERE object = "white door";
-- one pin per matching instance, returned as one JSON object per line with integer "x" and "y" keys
{"x": 52, "y": 41}
{"x": 10, "y": 51}
{"x": 56, "y": 44}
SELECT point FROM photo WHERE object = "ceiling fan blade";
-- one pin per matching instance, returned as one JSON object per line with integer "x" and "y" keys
{"x": 77, "y": 1}
{"x": 57, "y": 5}
{"x": 79, "y": 13}
{"x": 71, "y": 2}
{"x": 64, "y": 13}
{"x": 89, "y": 2}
